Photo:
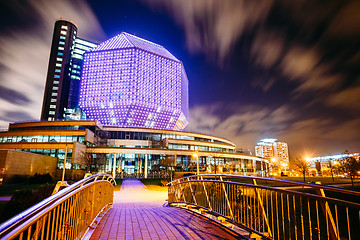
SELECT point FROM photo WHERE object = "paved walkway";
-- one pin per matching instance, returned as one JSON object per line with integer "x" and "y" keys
{"x": 141, "y": 214}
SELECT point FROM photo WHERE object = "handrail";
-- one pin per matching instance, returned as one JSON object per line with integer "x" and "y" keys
{"x": 32, "y": 214}
{"x": 270, "y": 212}
{"x": 289, "y": 182}
{"x": 290, "y": 192}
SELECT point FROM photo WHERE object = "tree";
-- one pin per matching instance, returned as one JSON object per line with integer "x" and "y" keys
{"x": 93, "y": 161}
{"x": 169, "y": 163}
{"x": 349, "y": 165}
{"x": 302, "y": 165}
{"x": 331, "y": 167}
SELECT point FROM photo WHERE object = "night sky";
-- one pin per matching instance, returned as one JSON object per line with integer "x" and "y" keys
{"x": 283, "y": 69}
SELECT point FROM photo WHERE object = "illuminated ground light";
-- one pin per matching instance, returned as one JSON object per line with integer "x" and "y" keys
{"x": 130, "y": 82}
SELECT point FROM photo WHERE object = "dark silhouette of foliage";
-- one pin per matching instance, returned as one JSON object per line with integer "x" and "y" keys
{"x": 350, "y": 166}
{"x": 23, "y": 199}
{"x": 41, "y": 178}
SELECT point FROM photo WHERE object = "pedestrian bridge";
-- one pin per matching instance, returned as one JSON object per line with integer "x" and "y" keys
{"x": 196, "y": 207}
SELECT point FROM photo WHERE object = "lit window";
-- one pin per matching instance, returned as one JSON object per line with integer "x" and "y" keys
{"x": 61, "y": 42}
{"x": 61, "y": 48}
{"x": 60, "y": 53}
{"x": 51, "y": 112}
{"x": 63, "y": 32}
{"x": 54, "y": 94}
{"x": 53, "y": 100}
{"x": 56, "y": 82}
{"x": 58, "y": 70}
{"x": 52, "y": 106}
{"x": 56, "y": 76}
{"x": 58, "y": 64}
{"x": 62, "y": 37}
{"x": 55, "y": 88}
{"x": 64, "y": 27}
{"x": 59, "y": 59}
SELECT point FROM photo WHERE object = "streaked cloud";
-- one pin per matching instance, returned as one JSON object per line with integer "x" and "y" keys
{"x": 25, "y": 53}
{"x": 347, "y": 99}
{"x": 211, "y": 26}
{"x": 249, "y": 124}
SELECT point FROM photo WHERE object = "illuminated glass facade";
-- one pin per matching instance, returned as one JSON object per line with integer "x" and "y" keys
{"x": 130, "y": 152}
{"x": 130, "y": 82}
{"x": 72, "y": 111}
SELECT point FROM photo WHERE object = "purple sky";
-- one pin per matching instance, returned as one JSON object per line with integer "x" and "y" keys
{"x": 282, "y": 69}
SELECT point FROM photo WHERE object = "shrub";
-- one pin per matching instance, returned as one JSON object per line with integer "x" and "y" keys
{"x": 40, "y": 178}
{"x": 25, "y": 198}
{"x": 17, "y": 179}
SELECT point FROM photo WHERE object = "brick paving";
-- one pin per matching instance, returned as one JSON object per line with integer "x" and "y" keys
{"x": 138, "y": 213}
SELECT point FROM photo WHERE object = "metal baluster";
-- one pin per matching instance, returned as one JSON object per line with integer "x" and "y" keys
{"x": 295, "y": 223}
{"x": 337, "y": 221}
{"x": 227, "y": 199}
{"x": 37, "y": 226}
{"x": 243, "y": 205}
{"x": 29, "y": 233}
{"x": 282, "y": 214}
{"x": 302, "y": 219}
{"x": 207, "y": 196}
{"x": 48, "y": 225}
{"x": 192, "y": 193}
{"x": 272, "y": 213}
{"x": 260, "y": 202}
{"x": 327, "y": 223}
{"x": 288, "y": 211}
{"x": 57, "y": 222}
{"x": 277, "y": 215}
{"x": 310, "y": 229}
{"x": 348, "y": 222}
{"x": 43, "y": 226}
{"x": 317, "y": 218}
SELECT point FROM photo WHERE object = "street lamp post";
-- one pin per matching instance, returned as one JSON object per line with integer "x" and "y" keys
{"x": 195, "y": 155}
{"x": 63, "y": 173}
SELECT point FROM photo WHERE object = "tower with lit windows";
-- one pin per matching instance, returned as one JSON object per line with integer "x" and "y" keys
{"x": 64, "y": 70}
{"x": 131, "y": 82}
{"x": 272, "y": 149}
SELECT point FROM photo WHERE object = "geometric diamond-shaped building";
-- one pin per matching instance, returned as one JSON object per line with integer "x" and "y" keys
{"x": 130, "y": 82}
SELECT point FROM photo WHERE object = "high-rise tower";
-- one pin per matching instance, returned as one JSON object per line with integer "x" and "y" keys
{"x": 273, "y": 150}
{"x": 57, "y": 83}
{"x": 61, "y": 94}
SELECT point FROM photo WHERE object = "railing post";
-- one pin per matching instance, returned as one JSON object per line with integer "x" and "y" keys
{"x": 146, "y": 167}
{"x": 262, "y": 208}
{"x": 227, "y": 199}
{"x": 207, "y": 196}
{"x": 192, "y": 192}
{"x": 114, "y": 165}
{"x": 64, "y": 165}
{"x": 328, "y": 215}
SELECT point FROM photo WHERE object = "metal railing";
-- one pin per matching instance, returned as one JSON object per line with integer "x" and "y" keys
{"x": 67, "y": 214}
{"x": 272, "y": 208}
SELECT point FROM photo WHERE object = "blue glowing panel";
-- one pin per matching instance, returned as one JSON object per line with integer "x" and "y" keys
{"x": 131, "y": 84}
